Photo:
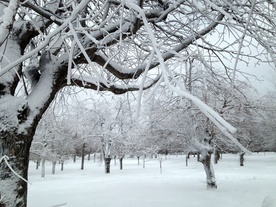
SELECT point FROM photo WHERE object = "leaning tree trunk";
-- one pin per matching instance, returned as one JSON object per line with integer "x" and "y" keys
{"x": 205, "y": 159}
{"x": 15, "y": 155}
{"x": 208, "y": 167}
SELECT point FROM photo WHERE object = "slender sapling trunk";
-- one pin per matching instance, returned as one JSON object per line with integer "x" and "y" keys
{"x": 82, "y": 156}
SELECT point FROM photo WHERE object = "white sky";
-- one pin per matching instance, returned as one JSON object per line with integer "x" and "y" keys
{"x": 265, "y": 77}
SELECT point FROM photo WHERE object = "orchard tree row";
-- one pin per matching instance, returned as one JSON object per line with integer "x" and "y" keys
{"x": 163, "y": 125}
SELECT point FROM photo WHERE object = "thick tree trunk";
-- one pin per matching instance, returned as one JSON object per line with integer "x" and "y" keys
{"x": 54, "y": 167}
{"x": 13, "y": 189}
{"x": 210, "y": 175}
{"x": 205, "y": 159}
{"x": 107, "y": 161}
{"x": 43, "y": 168}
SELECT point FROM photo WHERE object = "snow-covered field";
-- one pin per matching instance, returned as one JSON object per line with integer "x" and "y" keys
{"x": 135, "y": 186}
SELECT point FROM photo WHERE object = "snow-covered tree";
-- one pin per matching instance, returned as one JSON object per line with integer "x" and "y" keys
{"x": 106, "y": 46}
{"x": 262, "y": 127}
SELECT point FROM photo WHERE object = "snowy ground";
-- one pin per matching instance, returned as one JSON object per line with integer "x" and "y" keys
{"x": 177, "y": 186}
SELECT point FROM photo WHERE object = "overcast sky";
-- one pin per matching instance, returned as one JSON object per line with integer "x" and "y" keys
{"x": 266, "y": 76}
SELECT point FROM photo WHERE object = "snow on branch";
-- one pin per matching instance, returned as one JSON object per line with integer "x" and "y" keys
{"x": 7, "y": 19}
{"x": 48, "y": 38}
{"x": 76, "y": 39}
{"x": 223, "y": 125}
{"x": 241, "y": 44}
{"x": 93, "y": 83}
{"x": 222, "y": 11}
{"x": 43, "y": 12}
{"x": 170, "y": 9}
{"x": 114, "y": 68}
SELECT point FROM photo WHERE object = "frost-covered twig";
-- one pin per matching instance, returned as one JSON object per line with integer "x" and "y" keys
{"x": 76, "y": 39}
{"x": 222, "y": 11}
{"x": 70, "y": 62}
{"x": 2, "y": 198}
{"x": 47, "y": 39}
{"x": 5, "y": 158}
{"x": 241, "y": 44}
{"x": 170, "y": 9}
{"x": 143, "y": 83}
{"x": 223, "y": 125}
{"x": 47, "y": 13}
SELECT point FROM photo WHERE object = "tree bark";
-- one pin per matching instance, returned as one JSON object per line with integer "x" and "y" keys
{"x": 54, "y": 167}
{"x": 242, "y": 159}
{"x": 13, "y": 189}
{"x": 187, "y": 160}
{"x": 198, "y": 156}
{"x": 205, "y": 159}
{"x": 61, "y": 167}
{"x": 216, "y": 155}
{"x": 144, "y": 161}
{"x": 37, "y": 164}
{"x": 160, "y": 165}
{"x": 210, "y": 175}
{"x": 82, "y": 156}
{"x": 107, "y": 161}
{"x": 121, "y": 162}
{"x": 43, "y": 168}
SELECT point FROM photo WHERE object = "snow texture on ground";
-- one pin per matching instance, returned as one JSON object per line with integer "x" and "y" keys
{"x": 253, "y": 185}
